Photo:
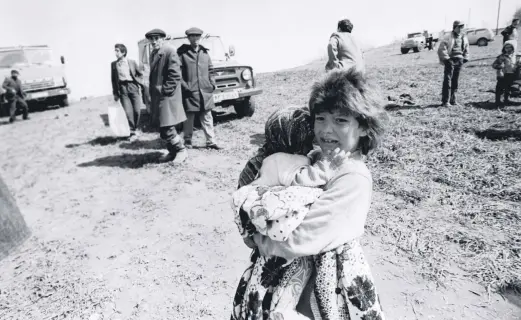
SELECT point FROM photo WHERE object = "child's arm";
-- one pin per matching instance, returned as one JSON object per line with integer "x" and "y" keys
{"x": 498, "y": 63}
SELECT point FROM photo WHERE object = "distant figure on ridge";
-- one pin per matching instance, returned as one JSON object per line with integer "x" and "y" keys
{"x": 343, "y": 50}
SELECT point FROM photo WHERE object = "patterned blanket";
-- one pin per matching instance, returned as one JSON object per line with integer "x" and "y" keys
{"x": 271, "y": 287}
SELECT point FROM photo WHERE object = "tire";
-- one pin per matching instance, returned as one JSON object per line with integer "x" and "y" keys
{"x": 404, "y": 50}
{"x": 63, "y": 101}
{"x": 245, "y": 108}
{"x": 482, "y": 42}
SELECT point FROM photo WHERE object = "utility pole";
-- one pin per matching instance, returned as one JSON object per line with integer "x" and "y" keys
{"x": 497, "y": 23}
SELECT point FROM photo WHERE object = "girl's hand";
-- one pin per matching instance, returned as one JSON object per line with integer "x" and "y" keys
{"x": 337, "y": 157}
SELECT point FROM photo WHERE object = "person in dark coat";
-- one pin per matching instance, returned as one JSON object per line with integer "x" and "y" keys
{"x": 15, "y": 96}
{"x": 510, "y": 32}
{"x": 127, "y": 81}
{"x": 198, "y": 86}
{"x": 165, "y": 93}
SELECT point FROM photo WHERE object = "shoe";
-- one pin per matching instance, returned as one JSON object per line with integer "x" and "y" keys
{"x": 11, "y": 120}
{"x": 214, "y": 146}
{"x": 167, "y": 157}
{"x": 133, "y": 137}
{"x": 445, "y": 105}
{"x": 181, "y": 156}
{"x": 188, "y": 145}
{"x": 26, "y": 118}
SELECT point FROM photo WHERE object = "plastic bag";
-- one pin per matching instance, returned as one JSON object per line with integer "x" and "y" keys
{"x": 118, "y": 120}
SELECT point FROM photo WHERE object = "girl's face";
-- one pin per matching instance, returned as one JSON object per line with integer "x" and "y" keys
{"x": 336, "y": 130}
{"x": 509, "y": 49}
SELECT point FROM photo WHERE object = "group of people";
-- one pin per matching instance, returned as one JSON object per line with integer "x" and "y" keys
{"x": 453, "y": 53}
{"x": 181, "y": 87}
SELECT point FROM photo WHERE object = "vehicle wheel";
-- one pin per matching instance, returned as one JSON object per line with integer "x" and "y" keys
{"x": 63, "y": 101}
{"x": 482, "y": 42}
{"x": 404, "y": 50}
{"x": 245, "y": 108}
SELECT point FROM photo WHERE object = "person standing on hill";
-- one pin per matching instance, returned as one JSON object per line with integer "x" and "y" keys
{"x": 127, "y": 81}
{"x": 15, "y": 96}
{"x": 165, "y": 92}
{"x": 198, "y": 86}
{"x": 453, "y": 54}
{"x": 343, "y": 50}
{"x": 510, "y": 32}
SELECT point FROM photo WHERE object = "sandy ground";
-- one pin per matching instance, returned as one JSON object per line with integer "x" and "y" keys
{"x": 117, "y": 235}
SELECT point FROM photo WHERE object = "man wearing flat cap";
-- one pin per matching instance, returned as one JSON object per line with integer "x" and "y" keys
{"x": 198, "y": 87}
{"x": 15, "y": 96}
{"x": 165, "y": 92}
{"x": 453, "y": 54}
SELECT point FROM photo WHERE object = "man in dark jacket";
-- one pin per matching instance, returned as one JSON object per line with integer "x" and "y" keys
{"x": 127, "y": 81}
{"x": 15, "y": 96}
{"x": 510, "y": 32}
{"x": 165, "y": 93}
{"x": 198, "y": 87}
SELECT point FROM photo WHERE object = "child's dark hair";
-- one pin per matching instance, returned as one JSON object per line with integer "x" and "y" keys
{"x": 122, "y": 48}
{"x": 350, "y": 92}
{"x": 345, "y": 25}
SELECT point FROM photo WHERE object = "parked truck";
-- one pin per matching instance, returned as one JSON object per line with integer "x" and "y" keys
{"x": 235, "y": 82}
{"x": 43, "y": 77}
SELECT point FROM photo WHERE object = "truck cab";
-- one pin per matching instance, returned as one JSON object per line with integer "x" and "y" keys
{"x": 235, "y": 82}
{"x": 42, "y": 77}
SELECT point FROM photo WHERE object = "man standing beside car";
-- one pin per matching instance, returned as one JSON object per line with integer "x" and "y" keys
{"x": 166, "y": 106}
{"x": 198, "y": 86}
{"x": 453, "y": 54}
{"x": 15, "y": 96}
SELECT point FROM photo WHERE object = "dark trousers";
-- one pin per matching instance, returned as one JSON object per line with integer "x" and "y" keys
{"x": 131, "y": 100}
{"x": 450, "y": 79}
{"x": 503, "y": 86}
{"x": 174, "y": 143}
{"x": 20, "y": 103}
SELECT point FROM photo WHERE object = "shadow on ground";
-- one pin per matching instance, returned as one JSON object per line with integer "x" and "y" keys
{"x": 99, "y": 141}
{"x": 156, "y": 144}
{"x": 124, "y": 161}
{"x": 396, "y": 107}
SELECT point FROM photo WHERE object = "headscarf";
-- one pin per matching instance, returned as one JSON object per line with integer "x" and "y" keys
{"x": 512, "y": 43}
{"x": 287, "y": 130}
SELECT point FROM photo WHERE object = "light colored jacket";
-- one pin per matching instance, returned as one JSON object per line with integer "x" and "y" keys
{"x": 447, "y": 44}
{"x": 344, "y": 52}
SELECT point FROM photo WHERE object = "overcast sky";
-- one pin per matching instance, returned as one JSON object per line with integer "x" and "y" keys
{"x": 268, "y": 34}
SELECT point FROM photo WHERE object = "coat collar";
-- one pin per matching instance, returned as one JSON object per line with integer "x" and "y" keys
{"x": 186, "y": 47}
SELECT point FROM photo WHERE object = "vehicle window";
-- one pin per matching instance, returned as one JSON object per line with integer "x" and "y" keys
{"x": 10, "y": 58}
{"x": 38, "y": 56}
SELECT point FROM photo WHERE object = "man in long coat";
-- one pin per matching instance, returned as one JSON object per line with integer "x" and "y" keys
{"x": 198, "y": 86}
{"x": 165, "y": 93}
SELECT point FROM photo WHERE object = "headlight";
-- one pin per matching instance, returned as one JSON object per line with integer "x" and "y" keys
{"x": 246, "y": 74}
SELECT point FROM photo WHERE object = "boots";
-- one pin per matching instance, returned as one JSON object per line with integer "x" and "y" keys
{"x": 176, "y": 151}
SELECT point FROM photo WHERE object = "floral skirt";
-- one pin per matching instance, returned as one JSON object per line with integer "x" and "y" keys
{"x": 343, "y": 287}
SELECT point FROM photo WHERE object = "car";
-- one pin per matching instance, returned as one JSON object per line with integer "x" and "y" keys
{"x": 480, "y": 37}
{"x": 236, "y": 83}
{"x": 477, "y": 36}
{"x": 415, "y": 41}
